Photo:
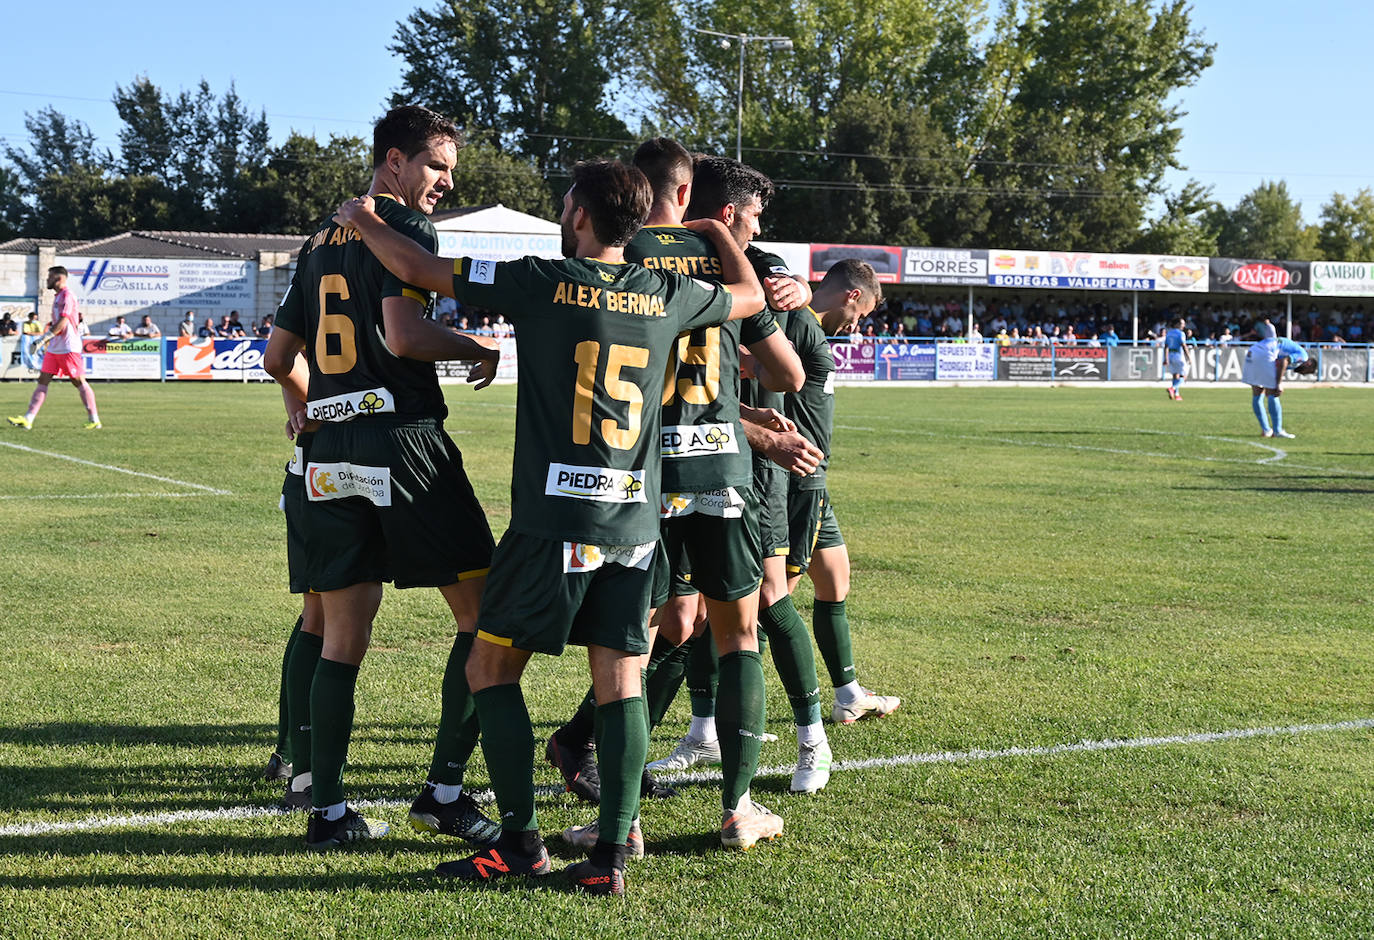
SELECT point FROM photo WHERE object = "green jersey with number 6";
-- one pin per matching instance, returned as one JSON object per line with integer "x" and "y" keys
{"x": 334, "y": 303}
{"x": 703, "y": 444}
{"x": 593, "y": 342}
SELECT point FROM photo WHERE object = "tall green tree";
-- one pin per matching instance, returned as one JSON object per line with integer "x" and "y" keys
{"x": 1346, "y": 232}
{"x": 1077, "y": 129}
{"x": 1266, "y": 223}
{"x": 538, "y": 72}
{"x": 1189, "y": 224}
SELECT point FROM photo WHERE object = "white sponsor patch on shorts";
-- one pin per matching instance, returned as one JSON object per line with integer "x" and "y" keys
{"x": 297, "y": 465}
{"x": 829, "y": 384}
{"x": 598, "y": 484}
{"x": 698, "y": 440}
{"x": 368, "y": 401}
{"x": 726, "y": 503}
{"x": 483, "y": 272}
{"x": 579, "y": 556}
{"x": 342, "y": 480}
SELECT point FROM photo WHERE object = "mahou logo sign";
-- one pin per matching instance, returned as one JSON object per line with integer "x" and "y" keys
{"x": 1261, "y": 278}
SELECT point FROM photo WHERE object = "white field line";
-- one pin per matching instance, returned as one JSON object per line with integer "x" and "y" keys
{"x": 95, "y": 495}
{"x": 150, "y": 820}
{"x": 110, "y": 467}
{"x": 1276, "y": 454}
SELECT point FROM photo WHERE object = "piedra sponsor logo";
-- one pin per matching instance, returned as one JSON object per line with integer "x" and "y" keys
{"x": 689, "y": 440}
{"x": 597, "y": 484}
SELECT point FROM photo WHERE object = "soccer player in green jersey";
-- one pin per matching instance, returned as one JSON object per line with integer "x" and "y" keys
{"x": 710, "y": 513}
{"x": 595, "y": 336}
{"x": 705, "y": 459}
{"x": 850, "y": 290}
{"x": 737, "y": 194}
{"x": 386, "y": 495}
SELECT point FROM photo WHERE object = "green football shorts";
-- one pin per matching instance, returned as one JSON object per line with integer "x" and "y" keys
{"x": 813, "y": 526}
{"x": 388, "y": 500}
{"x": 544, "y": 594}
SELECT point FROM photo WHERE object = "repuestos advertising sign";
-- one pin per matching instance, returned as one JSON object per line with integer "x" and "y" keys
{"x": 1342, "y": 279}
{"x": 1239, "y": 276}
{"x": 944, "y": 266}
{"x": 967, "y": 361}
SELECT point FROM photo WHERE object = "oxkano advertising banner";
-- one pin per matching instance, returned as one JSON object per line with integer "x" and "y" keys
{"x": 1240, "y": 276}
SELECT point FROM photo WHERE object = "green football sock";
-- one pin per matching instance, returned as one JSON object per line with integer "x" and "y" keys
{"x": 739, "y": 719}
{"x": 580, "y": 729}
{"x": 703, "y": 676}
{"x": 832, "y": 636}
{"x": 794, "y": 658}
{"x": 458, "y": 730}
{"x": 300, "y": 675}
{"x": 508, "y": 745}
{"x": 331, "y": 726}
{"x": 667, "y": 667}
{"x": 622, "y": 744}
{"x": 283, "y": 714}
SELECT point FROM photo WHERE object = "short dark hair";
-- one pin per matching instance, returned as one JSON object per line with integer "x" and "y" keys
{"x": 1306, "y": 367}
{"x": 616, "y": 196}
{"x": 58, "y": 269}
{"x": 666, "y": 164}
{"x": 849, "y": 273}
{"x": 718, "y": 182}
{"x": 409, "y": 129}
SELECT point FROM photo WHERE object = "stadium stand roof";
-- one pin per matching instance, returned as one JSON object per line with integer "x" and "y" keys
{"x": 165, "y": 245}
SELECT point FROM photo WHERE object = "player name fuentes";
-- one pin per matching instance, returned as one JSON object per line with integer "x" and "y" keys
{"x": 612, "y": 301}
{"x": 692, "y": 267}
{"x": 698, "y": 440}
{"x": 346, "y": 407}
{"x": 599, "y": 484}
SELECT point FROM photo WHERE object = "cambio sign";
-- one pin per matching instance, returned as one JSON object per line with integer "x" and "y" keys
{"x": 1342, "y": 279}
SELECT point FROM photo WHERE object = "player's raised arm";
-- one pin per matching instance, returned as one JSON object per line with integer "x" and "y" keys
{"x": 746, "y": 294}
{"x": 399, "y": 254}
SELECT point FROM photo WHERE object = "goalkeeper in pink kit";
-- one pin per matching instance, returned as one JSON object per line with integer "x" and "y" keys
{"x": 62, "y": 357}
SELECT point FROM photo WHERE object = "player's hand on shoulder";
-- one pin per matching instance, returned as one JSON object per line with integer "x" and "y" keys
{"x": 705, "y": 226}
{"x": 783, "y": 292}
{"x": 351, "y": 210}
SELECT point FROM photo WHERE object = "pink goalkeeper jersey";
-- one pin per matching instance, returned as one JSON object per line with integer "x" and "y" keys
{"x": 67, "y": 335}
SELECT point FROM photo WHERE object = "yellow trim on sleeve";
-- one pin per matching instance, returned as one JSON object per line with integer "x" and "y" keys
{"x": 414, "y": 295}
{"x": 497, "y": 640}
{"x": 781, "y": 552}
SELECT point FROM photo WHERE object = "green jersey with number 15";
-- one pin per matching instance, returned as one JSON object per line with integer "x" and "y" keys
{"x": 593, "y": 342}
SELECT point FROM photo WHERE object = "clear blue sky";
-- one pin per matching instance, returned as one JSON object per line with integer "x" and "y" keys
{"x": 1284, "y": 99}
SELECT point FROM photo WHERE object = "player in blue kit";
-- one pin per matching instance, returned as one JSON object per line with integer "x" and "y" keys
{"x": 1265, "y": 364}
{"x": 1176, "y": 357}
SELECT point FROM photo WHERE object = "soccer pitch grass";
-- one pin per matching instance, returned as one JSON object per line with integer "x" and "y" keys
{"x": 1032, "y": 568}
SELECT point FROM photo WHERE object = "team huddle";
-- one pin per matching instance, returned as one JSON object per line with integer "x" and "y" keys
{"x": 668, "y": 491}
